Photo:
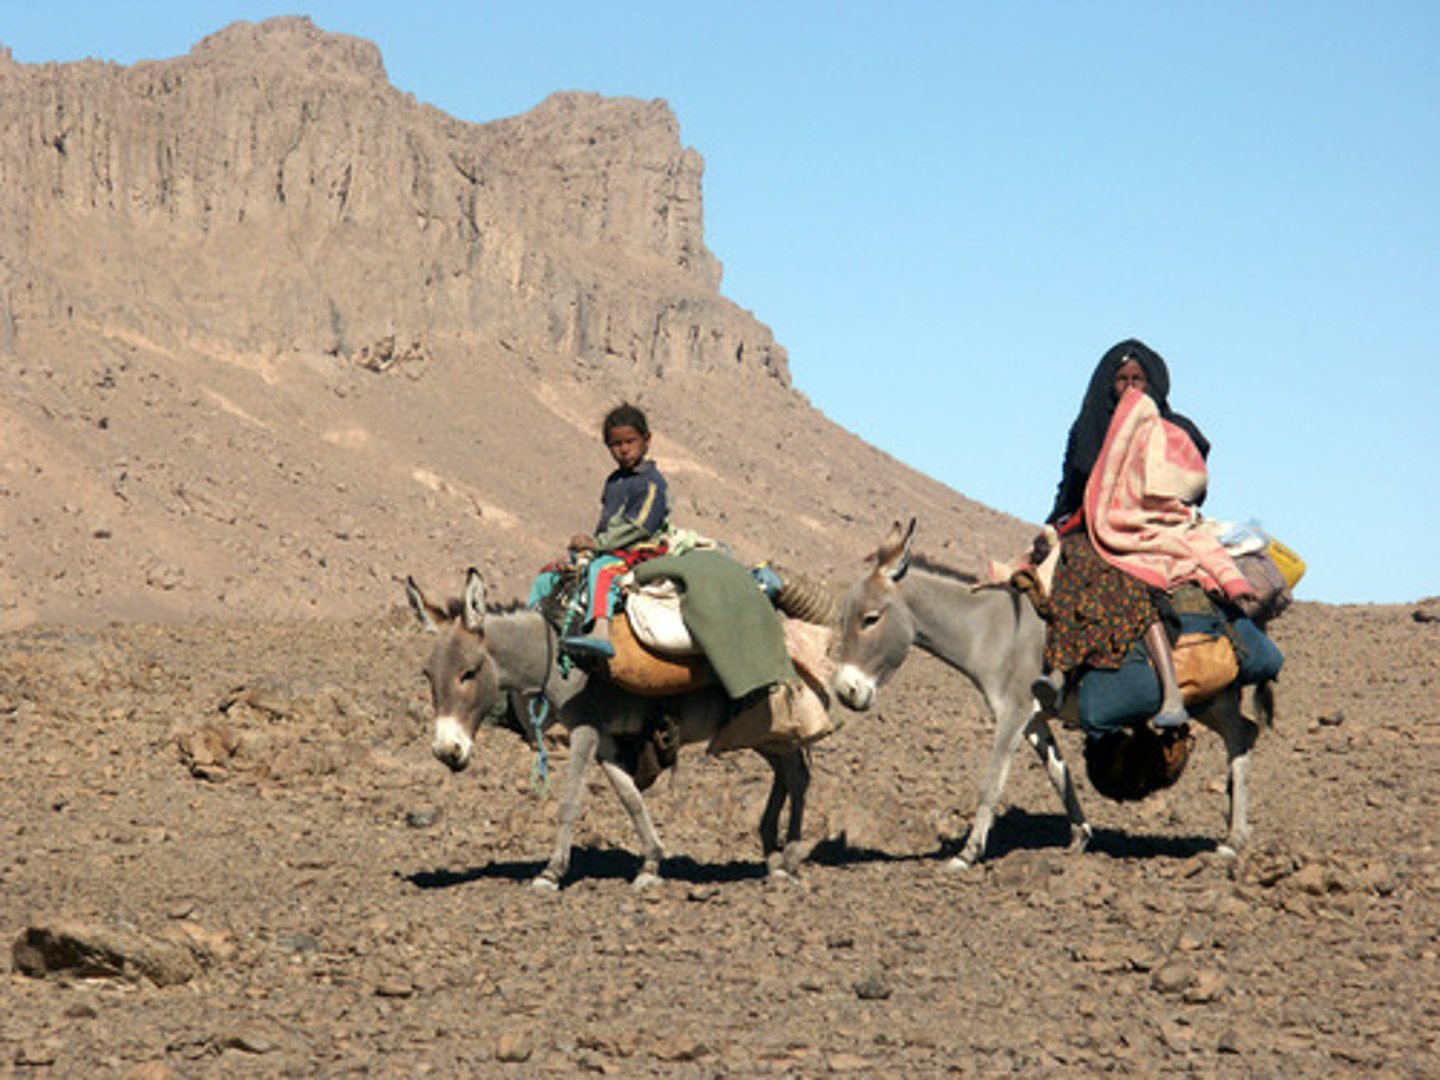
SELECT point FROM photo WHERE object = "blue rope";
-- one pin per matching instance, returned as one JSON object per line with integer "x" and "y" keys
{"x": 540, "y": 771}
{"x": 540, "y": 704}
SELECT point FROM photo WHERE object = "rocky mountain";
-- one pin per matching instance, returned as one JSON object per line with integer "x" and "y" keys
{"x": 273, "y": 333}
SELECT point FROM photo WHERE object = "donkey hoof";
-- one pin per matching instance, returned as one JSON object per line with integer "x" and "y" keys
{"x": 545, "y": 882}
{"x": 959, "y": 864}
{"x": 783, "y": 865}
{"x": 647, "y": 879}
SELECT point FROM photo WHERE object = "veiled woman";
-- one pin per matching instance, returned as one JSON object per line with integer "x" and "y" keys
{"x": 1126, "y": 511}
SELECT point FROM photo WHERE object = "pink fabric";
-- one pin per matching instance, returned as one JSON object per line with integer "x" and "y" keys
{"x": 1138, "y": 503}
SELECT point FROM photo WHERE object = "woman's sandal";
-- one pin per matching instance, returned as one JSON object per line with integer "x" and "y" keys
{"x": 1173, "y": 718}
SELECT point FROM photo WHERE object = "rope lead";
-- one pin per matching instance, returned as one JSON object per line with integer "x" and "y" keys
{"x": 540, "y": 771}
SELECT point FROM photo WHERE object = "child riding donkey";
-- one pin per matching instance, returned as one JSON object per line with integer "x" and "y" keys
{"x": 633, "y": 526}
{"x": 729, "y": 610}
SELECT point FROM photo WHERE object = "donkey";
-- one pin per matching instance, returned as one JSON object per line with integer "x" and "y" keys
{"x": 482, "y": 655}
{"x": 993, "y": 636}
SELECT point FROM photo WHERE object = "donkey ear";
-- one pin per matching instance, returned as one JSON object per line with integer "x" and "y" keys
{"x": 428, "y": 614}
{"x": 893, "y": 558}
{"x": 906, "y": 552}
{"x": 474, "y": 601}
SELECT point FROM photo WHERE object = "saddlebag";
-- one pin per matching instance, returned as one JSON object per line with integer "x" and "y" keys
{"x": 642, "y": 670}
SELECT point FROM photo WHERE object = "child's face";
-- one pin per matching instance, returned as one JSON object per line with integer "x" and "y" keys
{"x": 627, "y": 446}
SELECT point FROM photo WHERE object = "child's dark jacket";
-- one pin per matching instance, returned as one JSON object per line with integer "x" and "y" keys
{"x": 634, "y": 507}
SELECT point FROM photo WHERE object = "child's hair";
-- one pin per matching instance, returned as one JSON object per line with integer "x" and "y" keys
{"x": 625, "y": 415}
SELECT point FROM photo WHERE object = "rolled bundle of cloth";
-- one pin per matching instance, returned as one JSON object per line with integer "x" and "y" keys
{"x": 732, "y": 621}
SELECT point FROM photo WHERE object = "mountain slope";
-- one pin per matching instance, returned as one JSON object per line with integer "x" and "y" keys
{"x": 272, "y": 334}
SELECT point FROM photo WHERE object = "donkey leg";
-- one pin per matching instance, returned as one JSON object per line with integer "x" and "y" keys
{"x": 790, "y": 780}
{"x": 634, "y": 802}
{"x": 770, "y": 817}
{"x": 584, "y": 739}
{"x": 1040, "y": 736}
{"x": 797, "y": 768}
{"x": 1239, "y": 735}
{"x": 1009, "y": 728}
{"x": 1263, "y": 697}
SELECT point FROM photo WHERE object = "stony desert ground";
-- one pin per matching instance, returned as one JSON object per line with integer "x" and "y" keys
{"x": 243, "y": 826}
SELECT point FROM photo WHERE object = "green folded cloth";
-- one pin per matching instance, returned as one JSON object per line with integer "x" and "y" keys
{"x": 729, "y": 617}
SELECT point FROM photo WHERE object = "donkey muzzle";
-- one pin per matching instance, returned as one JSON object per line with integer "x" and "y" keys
{"x": 854, "y": 688}
{"x": 452, "y": 745}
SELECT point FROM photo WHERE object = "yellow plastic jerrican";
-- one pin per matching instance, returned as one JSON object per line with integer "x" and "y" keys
{"x": 1292, "y": 566}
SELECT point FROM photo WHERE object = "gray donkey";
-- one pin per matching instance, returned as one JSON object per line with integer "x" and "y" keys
{"x": 480, "y": 656}
{"x": 994, "y": 637}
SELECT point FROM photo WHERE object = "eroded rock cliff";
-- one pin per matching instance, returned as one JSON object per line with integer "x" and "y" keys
{"x": 273, "y": 191}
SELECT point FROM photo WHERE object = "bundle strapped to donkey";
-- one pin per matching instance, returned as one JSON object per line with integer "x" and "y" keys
{"x": 698, "y": 619}
{"x": 1213, "y": 649}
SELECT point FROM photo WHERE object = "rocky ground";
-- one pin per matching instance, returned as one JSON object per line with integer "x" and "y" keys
{"x": 243, "y": 826}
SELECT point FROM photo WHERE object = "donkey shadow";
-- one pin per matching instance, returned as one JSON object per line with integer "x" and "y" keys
{"x": 1017, "y": 830}
{"x": 595, "y": 864}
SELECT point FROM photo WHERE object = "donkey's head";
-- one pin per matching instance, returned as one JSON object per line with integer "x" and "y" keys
{"x": 463, "y": 675}
{"x": 877, "y": 628}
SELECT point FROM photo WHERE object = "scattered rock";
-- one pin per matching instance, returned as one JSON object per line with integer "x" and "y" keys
{"x": 874, "y": 987}
{"x": 150, "y": 1070}
{"x": 1313, "y": 879}
{"x": 302, "y": 942}
{"x": 38, "y": 1053}
{"x": 94, "y": 951}
{"x": 514, "y": 1047}
{"x": 1207, "y": 985}
{"x": 208, "y": 751}
{"x": 679, "y": 1048}
{"x": 1177, "y": 1037}
{"x": 1173, "y": 977}
{"x": 1378, "y": 877}
{"x": 254, "y": 1038}
{"x": 212, "y": 946}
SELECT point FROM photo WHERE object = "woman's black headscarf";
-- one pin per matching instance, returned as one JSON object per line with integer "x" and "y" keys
{"x": 1087, "y": 433}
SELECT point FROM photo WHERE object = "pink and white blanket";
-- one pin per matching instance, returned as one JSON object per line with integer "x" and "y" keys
{"x": 1139, "y": 503}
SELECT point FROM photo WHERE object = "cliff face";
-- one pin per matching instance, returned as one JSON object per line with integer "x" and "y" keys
{"x": 273, "y": 189}
{"x": 273, "y": 334}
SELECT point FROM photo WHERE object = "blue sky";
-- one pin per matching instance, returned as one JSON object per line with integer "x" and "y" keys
{"x": 947, "y": 211}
